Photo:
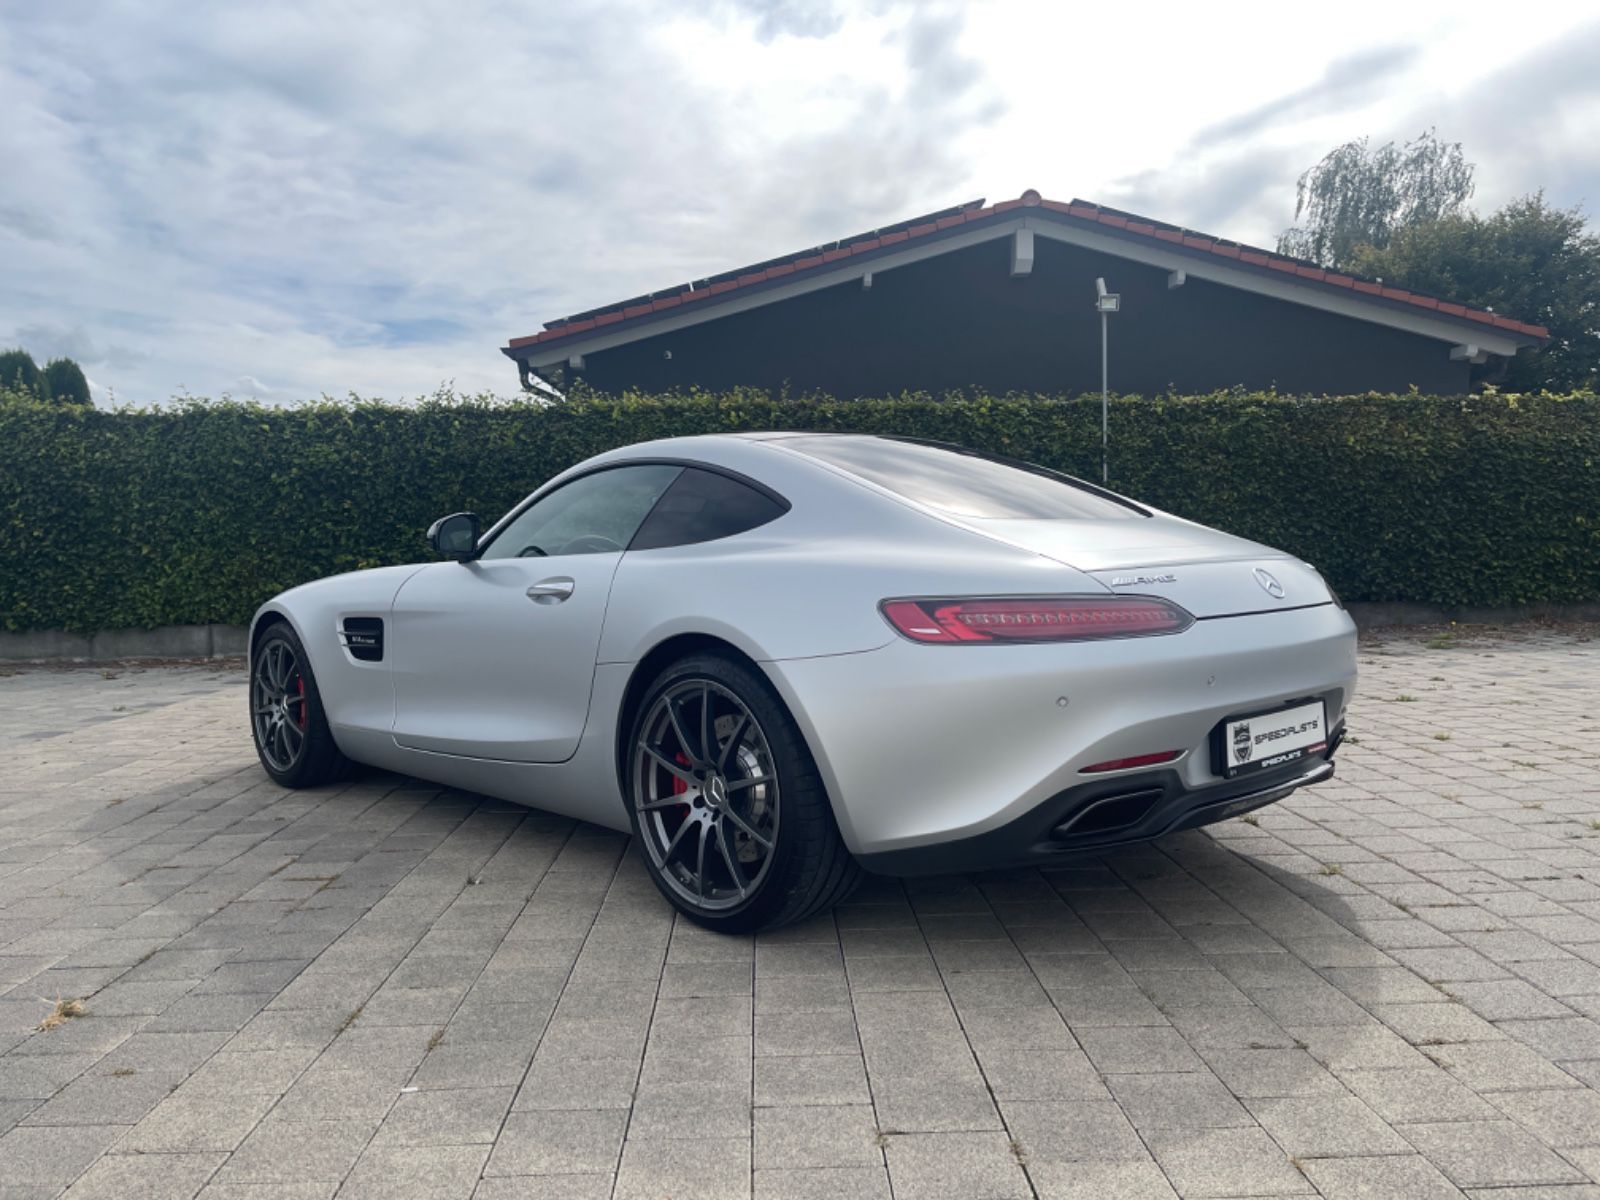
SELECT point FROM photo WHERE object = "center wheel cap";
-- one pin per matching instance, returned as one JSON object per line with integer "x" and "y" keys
{"x": 716, "y": 792}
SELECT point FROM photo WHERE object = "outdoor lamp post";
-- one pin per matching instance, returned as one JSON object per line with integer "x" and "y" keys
{"x": 1104, "y": 302}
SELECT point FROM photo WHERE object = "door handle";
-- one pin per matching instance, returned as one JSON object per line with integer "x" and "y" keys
{"x": 551, "y": 591}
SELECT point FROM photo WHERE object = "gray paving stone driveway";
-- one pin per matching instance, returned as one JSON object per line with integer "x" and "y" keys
{"x": 1389, "y": 986}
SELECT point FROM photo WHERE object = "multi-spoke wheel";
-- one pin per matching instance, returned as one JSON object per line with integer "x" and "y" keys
{"x": 726, "y": 802}
{"x": 278, "y": 705}
{"x": 291, "y": 732}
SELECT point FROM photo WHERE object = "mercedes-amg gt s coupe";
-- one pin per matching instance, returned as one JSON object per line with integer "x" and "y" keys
{"x": 778, "y": 659}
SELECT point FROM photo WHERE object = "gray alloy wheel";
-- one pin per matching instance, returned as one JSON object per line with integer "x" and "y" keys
{"x": 726, "y": 802}
{"x": 278, "y": 709}
{"x": 291, "y": 732}
{"x": 706, "y": 795}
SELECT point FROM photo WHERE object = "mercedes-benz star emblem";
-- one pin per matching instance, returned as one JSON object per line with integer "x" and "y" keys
{"x": 1269, "y": 584}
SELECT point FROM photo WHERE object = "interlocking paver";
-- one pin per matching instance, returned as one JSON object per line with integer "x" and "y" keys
{"x": 1563, "y": 1117}
{"x": 1225, "y": 1162}
{"x": 1085, "y": 1131}
{"x": 1191, "y": 1100}
{"x": 914, "y": 1106}
{"x": 300, "y": 994}
{"x": 1422, "y": 1094}
{"x": 1392, "y": 1177}
{"x": 558, "y": 1142}
{"x": 146, "y": 1176}
{"x": 982, "y": 1166}
{"x": 687, "y": 1169}
{"x": 1337, "y": 1126}
{"x": 283, "y": 1151}
{"x": 830, "y": 1135}
{"x": 438, "y": 1172}
{"x": 822, "y": 1183}
{"x": 1100, "y": 1181}
{"x": 1490, "y": 1154}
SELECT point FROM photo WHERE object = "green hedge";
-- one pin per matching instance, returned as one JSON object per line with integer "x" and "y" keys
{"x": 199, "y": 512}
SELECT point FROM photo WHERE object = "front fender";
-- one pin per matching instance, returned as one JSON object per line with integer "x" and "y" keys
{"x": 355, "y": 694}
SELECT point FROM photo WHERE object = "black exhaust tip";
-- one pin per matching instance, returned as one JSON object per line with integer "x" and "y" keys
{"x": 1108, "y": 814}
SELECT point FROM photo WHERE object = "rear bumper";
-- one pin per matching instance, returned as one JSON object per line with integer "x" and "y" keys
{"x": 1095, "y": 818}
{"x": 923, "y": 747}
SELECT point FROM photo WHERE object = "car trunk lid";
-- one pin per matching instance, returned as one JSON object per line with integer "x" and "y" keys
{"x": 1209, "y": 573}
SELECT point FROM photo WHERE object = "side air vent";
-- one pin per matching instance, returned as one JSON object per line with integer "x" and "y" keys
{"x": 363, "y": 637}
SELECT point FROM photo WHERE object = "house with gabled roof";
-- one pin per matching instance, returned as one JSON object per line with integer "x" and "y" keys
{"x": 1003, "y": 297}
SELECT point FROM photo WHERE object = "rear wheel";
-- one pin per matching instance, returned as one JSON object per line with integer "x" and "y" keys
{"x": 290, "y": 730}
{"x": 726, "y": 802}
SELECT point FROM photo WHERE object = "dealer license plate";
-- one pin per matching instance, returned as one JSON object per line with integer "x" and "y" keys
{"x": 1273, "y": 739}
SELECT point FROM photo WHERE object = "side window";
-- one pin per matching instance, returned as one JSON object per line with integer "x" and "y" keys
{"x": 702, "y": 506}
{"x": 594, "y": 514}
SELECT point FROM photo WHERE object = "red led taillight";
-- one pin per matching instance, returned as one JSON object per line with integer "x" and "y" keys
{"x": 1138, "y": 760}
{"x": 1034, "y": 619}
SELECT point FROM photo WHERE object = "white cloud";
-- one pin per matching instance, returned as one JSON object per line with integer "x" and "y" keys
{"x": 297, "y": 198}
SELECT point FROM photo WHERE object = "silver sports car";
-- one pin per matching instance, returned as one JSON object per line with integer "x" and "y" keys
{"x": 777, "y": 659}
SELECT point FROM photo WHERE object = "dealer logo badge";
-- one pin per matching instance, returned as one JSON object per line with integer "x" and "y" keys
{"x": 1241, "y": 743}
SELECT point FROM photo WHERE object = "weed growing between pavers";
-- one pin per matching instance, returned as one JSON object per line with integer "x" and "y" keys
{"x": 64, "y": 1011}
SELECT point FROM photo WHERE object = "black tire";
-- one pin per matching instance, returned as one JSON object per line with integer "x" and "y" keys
{"x": 807, "y": 869}
{"x": 293, "y": 741}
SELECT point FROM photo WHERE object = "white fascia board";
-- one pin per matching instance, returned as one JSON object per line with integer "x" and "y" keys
{"x": 1355, "y": 305}
{"x": 1194, "y": 266}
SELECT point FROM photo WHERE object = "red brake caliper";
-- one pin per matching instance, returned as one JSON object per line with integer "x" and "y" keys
{"x": 679, "y": 786}
{"x": 301, "y": 684}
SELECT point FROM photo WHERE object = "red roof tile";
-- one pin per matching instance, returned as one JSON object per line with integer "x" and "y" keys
{"x": 1125, "y": 223}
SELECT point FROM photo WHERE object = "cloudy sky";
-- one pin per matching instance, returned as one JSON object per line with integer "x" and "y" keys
{"x": 286, "y": 199}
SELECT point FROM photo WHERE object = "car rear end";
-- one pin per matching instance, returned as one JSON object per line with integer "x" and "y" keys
{"x": 1203, "y": 676}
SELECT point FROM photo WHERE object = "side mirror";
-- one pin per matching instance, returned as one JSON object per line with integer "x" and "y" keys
{"x": 455, "y": 536}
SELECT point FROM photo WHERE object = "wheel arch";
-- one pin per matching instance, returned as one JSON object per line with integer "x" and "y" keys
{"x": 265, "y": 619}
{"x": 655, "y": 660}
{"x": 682, "y": 644}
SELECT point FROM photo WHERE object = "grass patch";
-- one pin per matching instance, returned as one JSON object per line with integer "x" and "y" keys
{"x": 64, "y": 1011}
{"x": 1331, "y": 869}
{"x": 438, "y": 1036}
{"x": 1250, "y": 819}
{"x": 1441, "y": 737}
{"x": 355, "y": 1014}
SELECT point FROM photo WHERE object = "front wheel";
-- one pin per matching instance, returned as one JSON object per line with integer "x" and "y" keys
{"x": 290, "y": 729}
{"x": 726, "y": 802}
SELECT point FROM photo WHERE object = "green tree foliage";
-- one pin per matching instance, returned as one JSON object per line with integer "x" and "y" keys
{"x": 139, "y": 518}
{"x": 19, "y": 373}
{"x": 1361, "y": 197}
{"x": 65, "y": 382}
{"x": 1529, "y": 261}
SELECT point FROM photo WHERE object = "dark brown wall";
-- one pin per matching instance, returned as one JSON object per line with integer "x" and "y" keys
{"x": 961, "y": 320}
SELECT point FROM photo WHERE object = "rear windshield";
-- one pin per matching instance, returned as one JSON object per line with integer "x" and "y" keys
{"x": 962, "y": 483}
